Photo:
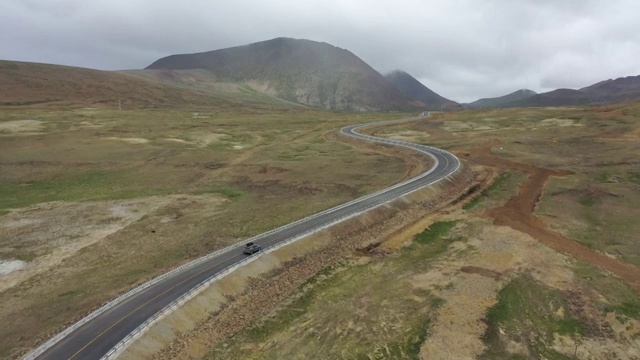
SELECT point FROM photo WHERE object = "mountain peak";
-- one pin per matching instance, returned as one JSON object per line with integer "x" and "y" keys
{"x": 305, "y": 71}
{"x": 413, "y": 88}
{"x": 502, "y": 100}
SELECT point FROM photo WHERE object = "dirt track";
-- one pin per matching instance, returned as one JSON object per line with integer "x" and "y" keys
{"x": 517, "y": 213}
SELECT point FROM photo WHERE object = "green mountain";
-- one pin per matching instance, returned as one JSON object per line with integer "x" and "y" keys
{"x": 413, "y": 88}
{"x": 307, "y": 72}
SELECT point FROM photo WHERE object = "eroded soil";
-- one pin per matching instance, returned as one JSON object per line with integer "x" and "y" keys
{"x": 518, "y": 214}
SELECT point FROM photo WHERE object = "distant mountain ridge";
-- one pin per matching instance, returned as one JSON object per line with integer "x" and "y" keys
{"x": 502, "y": 100}
{"x": 624, "y": 88}
{"x": 281, "y": 72}
{"x": 305, "y": 71}
{"x": 604, "y": 92}
{"x": 413, "y": 88}
{"x": 25, "y": 83}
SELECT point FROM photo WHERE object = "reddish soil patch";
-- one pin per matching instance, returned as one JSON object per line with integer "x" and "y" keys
{"x": 517, "y": 213}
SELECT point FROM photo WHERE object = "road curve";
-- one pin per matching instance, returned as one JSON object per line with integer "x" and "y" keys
{"x": 107, "y": 327}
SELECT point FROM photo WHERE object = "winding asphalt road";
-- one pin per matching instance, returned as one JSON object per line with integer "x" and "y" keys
{"x": 97, "y": 336}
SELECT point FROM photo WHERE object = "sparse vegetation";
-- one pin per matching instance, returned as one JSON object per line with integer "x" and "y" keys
{"x": 597, "y": 204}
{"x": 229, "y": 192}
{"x": 222, "y": 174}
{"x": 504, "y": 183}
{"x": 351, "y": 310}
{"x": 435, "y": 232}
{"x": 80, "y": 186}
{"x": 88, "y": 157}
{"x": 615, "y": 295}
{"x": 528, "y": 313}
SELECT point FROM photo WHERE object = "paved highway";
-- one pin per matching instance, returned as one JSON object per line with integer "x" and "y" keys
{"x": 96, "y": 337}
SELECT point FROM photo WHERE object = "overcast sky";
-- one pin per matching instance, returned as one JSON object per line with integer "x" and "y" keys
{"x": 462, "y": 49}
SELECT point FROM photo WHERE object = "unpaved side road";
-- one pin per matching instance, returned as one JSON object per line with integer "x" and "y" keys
{"x": 517, "y": 213}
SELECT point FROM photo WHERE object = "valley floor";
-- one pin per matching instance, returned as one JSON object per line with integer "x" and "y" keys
{"x": 466, "y": 287}
{"x": 542, "y": 263}
{"x": 542, "y": 260}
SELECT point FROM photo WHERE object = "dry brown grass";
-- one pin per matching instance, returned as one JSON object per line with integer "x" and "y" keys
{"x": 503, "y": 292}
{"x": 263, "y": 163}
{"x": 97, "y": 201}
{"x": 53, "y": 85}
{"x": 597, "y": 204}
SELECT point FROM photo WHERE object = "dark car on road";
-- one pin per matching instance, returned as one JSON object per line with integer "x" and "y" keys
{"x": 251, "y": 248}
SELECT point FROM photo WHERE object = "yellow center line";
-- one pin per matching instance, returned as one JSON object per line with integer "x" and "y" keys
{"x": 143, "y": 305}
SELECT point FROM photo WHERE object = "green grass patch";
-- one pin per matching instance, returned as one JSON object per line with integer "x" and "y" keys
{"x": 26, "y": 257}
{"x": 602, "y": 176}
{"x": 300, "y": 305}
{"x": 633, "y": 177}
{"x": 620, "y": 298}
{"x": 630, "y": 309}
{"x": 74, "y": 292}
{"x": 434, "y": 232}
{"x": 531, "y": 313}
{"x": 19, "y": 254}
{"x": 591, "y": 217}
{"x": 409, "y": 347}
{"x": 587, "y": 201}
{"x": 405, "y": 346}
{"x": 229, "y": 192}
{"x": 92, "y": 185}
{"x": 471, "y": 204}
{"x": 501, "y": 185}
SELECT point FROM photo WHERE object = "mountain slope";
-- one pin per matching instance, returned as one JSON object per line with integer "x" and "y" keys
{"x": 604, "y": 92}
{"x": 624, "y": 88}
{"x": 33, "y": 83}
{"x": 204, "y": 81}
{"x": 411, "y": 87}
{"x": 499, "y": 101}
{"x": 308, "y": 72}
{"x": 559, "y": 97}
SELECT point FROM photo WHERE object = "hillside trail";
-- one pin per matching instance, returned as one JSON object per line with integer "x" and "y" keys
{"x": 518, "y": 214}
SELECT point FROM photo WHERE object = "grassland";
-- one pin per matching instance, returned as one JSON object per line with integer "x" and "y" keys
{"x": 96, "y": 200}
{"x": 497, "y": 293}
{"x": 503, "y": 188}
{"x": 465, "y": 288}
{"x": 46, "y": 85}
{"x": 597, "y": 205}
{"x": 533, "y": 312}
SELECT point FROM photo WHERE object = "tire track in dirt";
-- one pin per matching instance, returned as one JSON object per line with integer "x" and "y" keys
{"x": 518, "y": 214}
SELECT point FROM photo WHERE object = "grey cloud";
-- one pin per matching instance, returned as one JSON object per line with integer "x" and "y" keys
{"x": 463, "y": 49}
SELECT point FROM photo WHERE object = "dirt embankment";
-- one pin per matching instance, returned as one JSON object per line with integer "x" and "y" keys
{"x": 517, "y": 213}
